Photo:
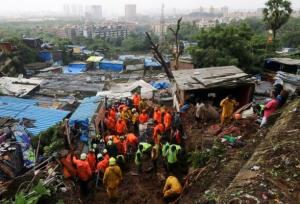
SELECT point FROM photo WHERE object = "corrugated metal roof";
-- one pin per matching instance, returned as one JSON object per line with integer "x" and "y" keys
{"x": 206, "y": 77}
{"x": 44, "y": 118}
{"x": 286, "y": 61}
{"x": 18, "y": 86}
{"x": 27, "y": 108}
{"x": 86, "y": 109}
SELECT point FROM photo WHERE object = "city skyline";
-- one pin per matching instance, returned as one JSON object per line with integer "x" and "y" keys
{"x": 116, "y": 7}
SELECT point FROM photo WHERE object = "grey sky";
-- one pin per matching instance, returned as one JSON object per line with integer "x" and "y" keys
{"x": 117, "y": 6}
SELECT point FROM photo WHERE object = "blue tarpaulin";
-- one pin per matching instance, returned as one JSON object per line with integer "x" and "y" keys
{"x": 23, "y": 140}
{"x": 151, "y": 62}
{"x": 83, "y": 115}
{"x": 75, "y": 68}
{"x": 161, "y": 85}
{"x": 45, "y": 56}
{"x": 115, "y": 66}
{"x": 43, "y": 118}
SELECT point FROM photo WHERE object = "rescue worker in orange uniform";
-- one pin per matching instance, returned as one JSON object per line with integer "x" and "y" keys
{"x": 116, "y": 140}
{"x": 112, "y": 179}
{"x": 102, "y": 163}
{"x": 167, "y": 120}
{"x": 109, "y": 122}
{"x": 157, "y": 131}
{"x": 84, "y": 172}
{"x": 143, "y": 118}
{"x": 136, "y": 98}
{"x": 105, "y": 154}
{"x": 113, "y": 113}
{"x": 121, "y": 127}
{"x": 134, "y": 120}
{"x": 91, "y": 158}
{"x": 68, "y": 170}
{"x": 172, "y": 189}
{"x": 130, "y": 142}
{"x": 157, "y": 115}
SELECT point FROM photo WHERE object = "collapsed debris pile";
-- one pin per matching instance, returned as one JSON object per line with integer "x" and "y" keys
{"x": 272, "y": 173}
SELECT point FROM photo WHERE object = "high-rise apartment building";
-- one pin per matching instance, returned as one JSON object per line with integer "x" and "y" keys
{"x": 225, "y": 10}
{"x": 96, "y": 11}
{"x": 130, "y": 11}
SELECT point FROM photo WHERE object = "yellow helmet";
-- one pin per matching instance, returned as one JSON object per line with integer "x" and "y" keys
{"x": 112, "y": 161}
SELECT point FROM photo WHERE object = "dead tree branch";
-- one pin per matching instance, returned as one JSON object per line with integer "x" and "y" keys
{"x": 189, "y": 180}
{"x": 158, "y": 56}
{"x": 176, "y": 36}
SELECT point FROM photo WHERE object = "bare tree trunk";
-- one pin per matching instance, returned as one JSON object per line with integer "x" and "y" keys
{"x": 177, "y": 51}
{"x": 158, "y": 56}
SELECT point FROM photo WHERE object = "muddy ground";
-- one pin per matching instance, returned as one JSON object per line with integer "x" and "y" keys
{"x": 278, "y": 158}
{"x": 275, "y": 150}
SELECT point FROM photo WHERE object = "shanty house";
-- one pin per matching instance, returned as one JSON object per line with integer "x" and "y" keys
{"x": 40, "y": 119}
{"x": 282, "y": 64}
{"x": 45, "y": 56}
{"x": 115, "y": 66}
{"x": 95, "y": 60}
{"x": 76, "y": 68}
{"x": 150, "y": 62}
{"x": 33, "y": 42}
{"x": 218, "y": 82}
{"x": 19, "y": 87}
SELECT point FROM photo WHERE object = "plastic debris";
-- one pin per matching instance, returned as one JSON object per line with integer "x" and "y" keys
{"x": 255, "y": 168}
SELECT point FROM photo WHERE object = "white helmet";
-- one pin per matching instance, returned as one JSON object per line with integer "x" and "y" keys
{"x": 99, "y": 156}
{"x": 83, "y": 156}
{"x": 104, "y": 151}
{"x": 94, "y": 146}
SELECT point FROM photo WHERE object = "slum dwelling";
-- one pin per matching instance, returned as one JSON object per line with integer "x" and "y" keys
{"x": 213, "y": 83}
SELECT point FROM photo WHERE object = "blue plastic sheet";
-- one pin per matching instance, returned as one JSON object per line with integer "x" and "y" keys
{"x": 161, "y": 85}
{"x": 24, "y": 140}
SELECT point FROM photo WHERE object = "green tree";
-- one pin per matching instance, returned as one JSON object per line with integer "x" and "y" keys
{"x": 229, "y": 45}
{"x": 25, "y": 53}
{"x": 276, "y": 14}
{"x": 136, "y": 42}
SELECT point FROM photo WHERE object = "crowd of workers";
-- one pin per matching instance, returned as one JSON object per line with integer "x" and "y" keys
{"x": 131, "y": 131}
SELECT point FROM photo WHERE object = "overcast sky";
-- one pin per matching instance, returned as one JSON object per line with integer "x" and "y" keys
{"x": 117, "y": 6}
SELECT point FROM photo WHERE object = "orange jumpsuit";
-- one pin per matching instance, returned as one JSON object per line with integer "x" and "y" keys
{"x": 143, "y": 118}
{"x": 156, "y": 136}
{"x": 112, "y": 113}
{"x": 84, "y": 171}
{"x": 121, "y": 127}
{"x": 167, "y": 120}
{"x": 117, "y": 141}
{"x": 136, "y": 100}
{"x": 102, "y": 165}
{"x": 68, "y": 170}
{"x": 157, "y": 116}
{"x": 110, "y": 123}
{"x": 91, "y": 158}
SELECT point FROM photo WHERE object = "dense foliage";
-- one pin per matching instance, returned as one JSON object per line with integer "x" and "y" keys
{"x": 229, "y": 45}
{"x": 276, "y": 14}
